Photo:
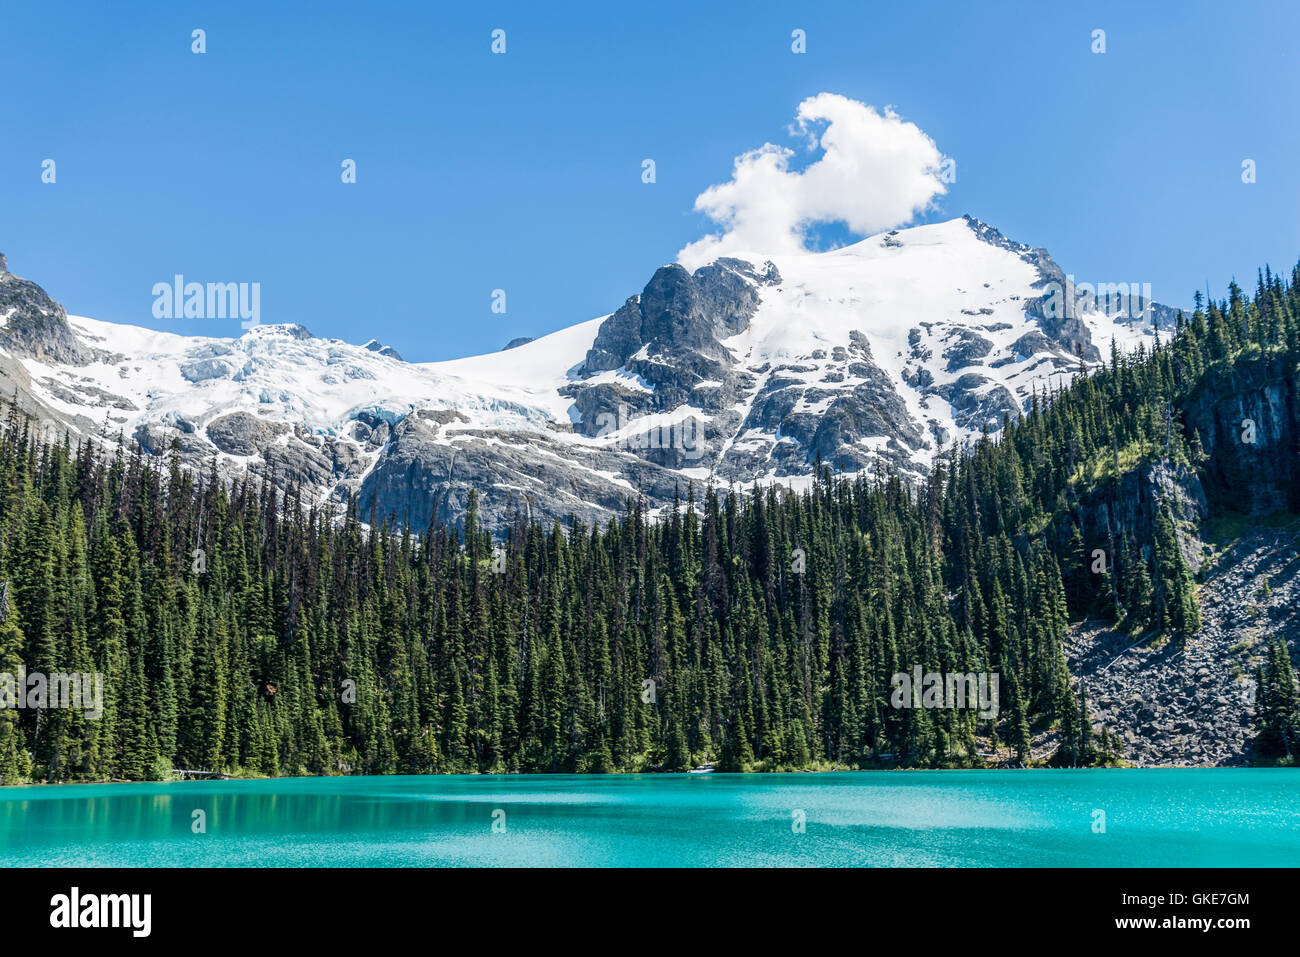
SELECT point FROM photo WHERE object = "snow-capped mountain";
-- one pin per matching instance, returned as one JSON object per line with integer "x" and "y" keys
{"x": 749, "y": 369}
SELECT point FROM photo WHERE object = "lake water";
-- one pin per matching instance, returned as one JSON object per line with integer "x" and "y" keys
{"x": 1215, "y": 817}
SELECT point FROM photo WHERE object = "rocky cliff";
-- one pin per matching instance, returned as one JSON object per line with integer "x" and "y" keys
{"x": 1245, "y": 416}
{"x": 1192, "y": 703}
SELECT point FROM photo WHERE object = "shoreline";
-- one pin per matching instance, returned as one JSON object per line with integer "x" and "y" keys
{"x": 623, "y": 774}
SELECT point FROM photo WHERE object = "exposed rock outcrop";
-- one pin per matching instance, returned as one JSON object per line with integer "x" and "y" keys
{"x": 1128, "y": 508}
{"x": 1193, "y": 704}
{"x": 243, "y": 434}
{"x": 1246, "y": 417}
{"x": 35, "y": 325}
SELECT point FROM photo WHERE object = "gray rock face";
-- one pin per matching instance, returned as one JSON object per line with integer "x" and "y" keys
{"x": 667, "y": 340}
{"x": 1130, "y": 508}
{"x": 808, "y": 424}
{"x": 1246, "y": 419}
{"x": 670, "y": 340}
{"x": 966, "y": 348}
{"x": 158, "y": 439}
{"x": 421, "y": 475}
{"x": 617, "y": 339}
{"x": 1031, "y": 344}
{"x": 1194, "y": 704}
{"x": 682, "y": 315}
{"x": 35, "y": 325}
{"x": 243, "y": 434}
{"x": 978, "y": 402}
{"x": 374, "y": 345}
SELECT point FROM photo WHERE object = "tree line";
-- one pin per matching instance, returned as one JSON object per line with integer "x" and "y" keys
{"x": 240, "y": 629}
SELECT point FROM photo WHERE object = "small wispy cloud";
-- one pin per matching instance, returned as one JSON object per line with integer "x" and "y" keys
{"x": 876, "y": 171}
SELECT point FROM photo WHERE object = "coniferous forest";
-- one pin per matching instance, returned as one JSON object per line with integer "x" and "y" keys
{"x": 241, "y": 630}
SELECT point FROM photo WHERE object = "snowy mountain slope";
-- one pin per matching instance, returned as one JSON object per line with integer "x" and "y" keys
{"x": 748, "y": 369}
{"x": 892, "y": 349}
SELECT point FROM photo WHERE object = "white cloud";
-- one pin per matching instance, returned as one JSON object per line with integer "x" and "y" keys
{"x": 876, "y": 172}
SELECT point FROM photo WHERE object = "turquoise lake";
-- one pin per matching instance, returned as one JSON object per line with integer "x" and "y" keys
{"x": 1153, "y": 818}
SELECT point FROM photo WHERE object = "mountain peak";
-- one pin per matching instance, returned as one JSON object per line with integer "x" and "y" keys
{"x": 34, "y": 324}
{"x": 375, "y": 346}
{"x": 747, "y": 369}
{"x": 292, "y": 330}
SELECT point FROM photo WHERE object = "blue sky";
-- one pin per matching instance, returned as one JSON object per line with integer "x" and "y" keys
{"x": 523, "y": 171}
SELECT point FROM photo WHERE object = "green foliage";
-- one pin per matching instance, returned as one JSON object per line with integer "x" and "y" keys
{"x": 243, "y": 631}
{"x": 1278, "y": 740}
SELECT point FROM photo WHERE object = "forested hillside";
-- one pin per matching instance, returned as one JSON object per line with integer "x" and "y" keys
{"x": 242, "y": 632}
